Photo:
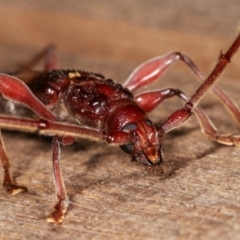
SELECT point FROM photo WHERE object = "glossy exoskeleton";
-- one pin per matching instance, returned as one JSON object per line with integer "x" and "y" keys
{"x": 70, "y": 104}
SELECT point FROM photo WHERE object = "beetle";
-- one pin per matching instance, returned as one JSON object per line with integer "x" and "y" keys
{"x": 70, "y": 104}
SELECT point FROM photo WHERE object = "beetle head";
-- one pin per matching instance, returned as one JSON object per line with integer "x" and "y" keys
{"x": 140, "y": 138}
{"x": 147, "y": 146}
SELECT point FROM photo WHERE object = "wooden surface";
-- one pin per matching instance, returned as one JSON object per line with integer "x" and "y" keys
{"x": 196, "y": 193}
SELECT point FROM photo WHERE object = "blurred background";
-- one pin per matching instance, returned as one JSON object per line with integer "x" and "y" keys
{"x": 112, "y": 38}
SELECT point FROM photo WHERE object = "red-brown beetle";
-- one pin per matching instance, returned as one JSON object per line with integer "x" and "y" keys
{"x": 70, "y": 104}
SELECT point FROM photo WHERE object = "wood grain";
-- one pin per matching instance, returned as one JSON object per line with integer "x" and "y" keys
{"x": 195, "y": 194}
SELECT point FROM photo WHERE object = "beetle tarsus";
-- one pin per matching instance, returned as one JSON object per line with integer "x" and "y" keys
{"x": 14, "y": 189}
{"x": 60, "y": 210}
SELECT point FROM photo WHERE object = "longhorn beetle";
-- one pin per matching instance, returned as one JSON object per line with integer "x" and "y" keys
{"x": 70, "y": 104}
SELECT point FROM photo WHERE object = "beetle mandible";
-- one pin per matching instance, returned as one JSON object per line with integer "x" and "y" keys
{"x": 72, "y": 104}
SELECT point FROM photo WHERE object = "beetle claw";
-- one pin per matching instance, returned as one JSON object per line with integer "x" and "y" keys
{"x": 60, "y": 210}
{"x": 14, "y": 189}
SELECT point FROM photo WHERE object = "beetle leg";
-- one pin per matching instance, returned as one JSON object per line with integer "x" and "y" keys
{"x": 181, "y": 115}
{"x": 151, "y": 70}
{"x": 48, "y": 55}
{"x": 8, "y": 182}
{"x": 154, "y": 68}
{"x": 61, "y": 206}
{"x": 151, "y": 99}
{"x": 14, "y": 89}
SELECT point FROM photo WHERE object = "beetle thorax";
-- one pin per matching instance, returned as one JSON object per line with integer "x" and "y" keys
{"x": 91, "y": 101}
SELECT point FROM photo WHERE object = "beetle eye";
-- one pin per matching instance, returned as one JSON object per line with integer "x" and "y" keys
{"x": 129, "y": 127}
{"x": 127, "y": 148}
{"x": 148, "y": 122}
